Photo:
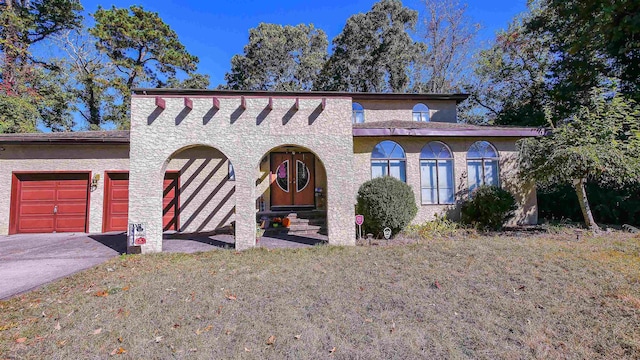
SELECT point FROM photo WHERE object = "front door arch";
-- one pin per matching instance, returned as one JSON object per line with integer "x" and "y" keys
{"x": 293, "y": 180}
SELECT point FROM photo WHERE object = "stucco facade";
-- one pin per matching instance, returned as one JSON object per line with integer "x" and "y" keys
{"x": 244, "y": 129}
{"x": 95, "y": 159}
{"x": 198, "y": 134}
{"x": 525, "y": 194}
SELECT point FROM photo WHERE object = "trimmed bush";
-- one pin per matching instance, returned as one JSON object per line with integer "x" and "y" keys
{"x": 386, "y": 202}
{"x": 488, "y": 208}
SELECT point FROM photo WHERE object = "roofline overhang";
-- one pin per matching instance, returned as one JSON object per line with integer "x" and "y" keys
{"x": 34, "y": 141}
{"x": 377, "y": 132}
{"x": 314, "y": 94}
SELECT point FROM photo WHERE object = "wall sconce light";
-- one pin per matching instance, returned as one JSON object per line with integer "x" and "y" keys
{"x": 94, "y": 182}
{"x": 1, "y": 148}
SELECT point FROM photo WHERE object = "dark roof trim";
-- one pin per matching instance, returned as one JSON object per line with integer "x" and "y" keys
{"x": 354, "y": 95}
{"x": 83, "y": 137}
{"x": 361, "y": 132}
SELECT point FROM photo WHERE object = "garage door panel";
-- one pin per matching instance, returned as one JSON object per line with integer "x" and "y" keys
{"x": 71, "y": 194}
{"x": 71, "y": 209}
{"x": 39, "y": 194}
{"x": 119, "y": 208}
{"x": 120, "y": 194}
{"x": 36, "y": 182}
{"x": 31, "y": 226}
{"x": 36, "y": 209}
{"x": 117, "y": 202}
{"x": 70, "y": 223}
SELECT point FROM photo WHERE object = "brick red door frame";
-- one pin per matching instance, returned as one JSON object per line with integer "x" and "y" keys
{"x": 16, "y": 187}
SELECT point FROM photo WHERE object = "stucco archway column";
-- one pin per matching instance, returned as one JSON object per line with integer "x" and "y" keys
{"x": 340, "y": 197}
{"x": 145, "y": 201}
{"x": 245, "y": 227}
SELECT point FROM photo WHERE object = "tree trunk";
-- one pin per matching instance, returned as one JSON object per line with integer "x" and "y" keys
{"x": 581, "y": 191}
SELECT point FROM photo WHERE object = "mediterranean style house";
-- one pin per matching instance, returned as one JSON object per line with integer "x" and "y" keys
{"x": 199, "y": 160}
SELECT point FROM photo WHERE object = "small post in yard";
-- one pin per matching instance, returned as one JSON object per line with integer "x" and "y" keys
{"x": 359, "y": 222}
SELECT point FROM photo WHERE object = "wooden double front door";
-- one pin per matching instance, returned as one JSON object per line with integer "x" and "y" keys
{"x": 292, "y": 179}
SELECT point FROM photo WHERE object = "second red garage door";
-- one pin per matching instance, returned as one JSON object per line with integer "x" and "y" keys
{"x": 49, "y": 202}
{"x": 116, "y": 202}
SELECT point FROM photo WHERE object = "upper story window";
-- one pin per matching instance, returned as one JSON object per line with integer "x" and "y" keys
{"x": 436, "y": 174}
{"x": 357, "y": 114}
{"x": 482, "y": 165}
{"x": 389, "y": 159}
{"x": 420, "y": 112}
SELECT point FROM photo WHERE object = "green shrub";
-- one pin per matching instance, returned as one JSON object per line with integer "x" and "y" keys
{"x": 386, "y": 202}
{"x": 488, "y": 208}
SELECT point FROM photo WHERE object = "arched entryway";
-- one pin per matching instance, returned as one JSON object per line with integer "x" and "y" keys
{"x": 292, "y": 195}
{"x": 198, "y": 194}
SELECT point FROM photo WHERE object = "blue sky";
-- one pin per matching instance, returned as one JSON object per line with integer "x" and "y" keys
{"x": 218, "y": 29}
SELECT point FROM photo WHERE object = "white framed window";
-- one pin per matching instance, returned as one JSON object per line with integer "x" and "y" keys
{"x": 357, "y": 113}
{"x": 389, "y": 159}
{"x": 482, "y": 165}
{"x": 437, "y": 182}
{"x": 421, "y": 112}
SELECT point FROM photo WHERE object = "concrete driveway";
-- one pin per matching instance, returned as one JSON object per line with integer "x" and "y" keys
{"x": 30, "y": 260}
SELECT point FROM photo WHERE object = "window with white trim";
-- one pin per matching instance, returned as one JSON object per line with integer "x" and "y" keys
{"x": 421, "y": 112}
{"x": 389, "y": 159}
{"x": 357, "y": 114}
{"x": 436, "y": 174}
{"x": 482, "y": 165}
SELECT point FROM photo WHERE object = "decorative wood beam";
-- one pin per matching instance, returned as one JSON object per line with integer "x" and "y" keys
{"x": 216, "y": 103}
{"x": 324, "y": 103}
{"x": 160, "y": 103}
{"x": 243, "y": 102}
{"x": 297, "y": 104}
{"x": 188, "y": 103}
{"x": 270, "y": 105}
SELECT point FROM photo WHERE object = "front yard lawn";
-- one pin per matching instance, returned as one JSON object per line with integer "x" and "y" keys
{"x": 491, "y": 297}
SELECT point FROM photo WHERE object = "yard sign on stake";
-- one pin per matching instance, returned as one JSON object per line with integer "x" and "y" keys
{"x": 359, "y": 222}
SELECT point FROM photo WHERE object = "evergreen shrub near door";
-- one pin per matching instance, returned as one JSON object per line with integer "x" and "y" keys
{"x": 488, "y": 208}
{"x": 386, "y": 202}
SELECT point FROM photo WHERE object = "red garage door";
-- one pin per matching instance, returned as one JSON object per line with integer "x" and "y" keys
{"x": 116, "y": 202}
{"x": 46, "y": 203}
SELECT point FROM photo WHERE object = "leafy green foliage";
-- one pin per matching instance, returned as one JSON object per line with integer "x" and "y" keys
{"x": 386, "y": 202}
{"x": 142, "y": 47}
{"x": 592, "y": 40}
{"x": 17, "y": 114}
{"x": 279, "y": 58}
{"x": 374, "y": 52}
{"x": 510, "y": 85}
{"x": 599, "y": 143}
{"x": 31, "y": 89}
{"x": 194, "y": 81}
{"x": 488, "y": 208}
{"x": 610, "y": 205}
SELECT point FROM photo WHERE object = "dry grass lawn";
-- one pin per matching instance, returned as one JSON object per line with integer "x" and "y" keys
{"x": 488, "y": 297}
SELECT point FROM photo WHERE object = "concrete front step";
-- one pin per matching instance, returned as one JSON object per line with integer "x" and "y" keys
{"x": 289, "y": 231}
{"x": 302, "y": 222}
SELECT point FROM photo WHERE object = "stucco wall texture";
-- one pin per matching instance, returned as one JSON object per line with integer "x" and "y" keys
{"x": 377, "y": 110}
{"x": 200, "y": 142}
{"x": 61, "y": 158}
{"x": 527, "y": 212}
{"x": 245, "y": 135}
